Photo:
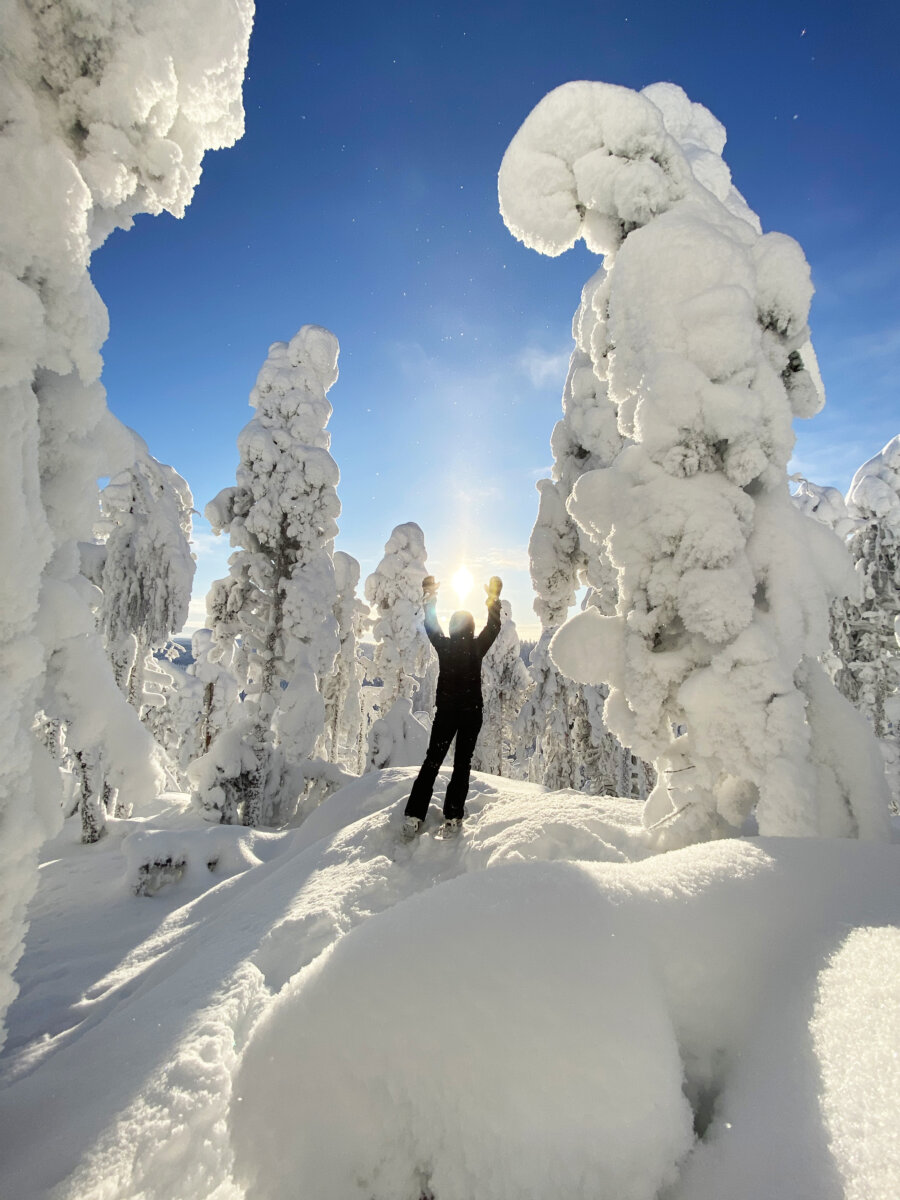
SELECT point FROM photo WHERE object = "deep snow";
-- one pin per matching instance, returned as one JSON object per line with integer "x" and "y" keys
{"x": 540, "y": 1008}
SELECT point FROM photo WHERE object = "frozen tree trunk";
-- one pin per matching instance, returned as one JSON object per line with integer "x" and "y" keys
{"x": 51, "y": 736}
{"x": 206, "y": 724}
{"x": 93, "y": 811}
{"x": 122, "y": 658}
{"x": 701, "y": 347}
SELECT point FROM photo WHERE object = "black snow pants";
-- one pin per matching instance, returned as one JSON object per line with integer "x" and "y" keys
{"x": 465, "y": 723}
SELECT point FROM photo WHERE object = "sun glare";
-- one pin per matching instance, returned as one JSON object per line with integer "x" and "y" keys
{"x": 462, "y": 584}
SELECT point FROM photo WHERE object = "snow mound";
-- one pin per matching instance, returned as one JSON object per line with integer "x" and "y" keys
{"x": 457, "y": 1066}
{"x": 856, "y": 1031}
{"x": 538, "y": 1008}
{"x": 547, "y": 1028}
{"x": 203, "y": 857}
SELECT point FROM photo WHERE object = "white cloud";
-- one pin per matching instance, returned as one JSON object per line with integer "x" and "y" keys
{"x": 511, "y": 558}
{"x": 196, "y": 618}
{"x": 543, "y": 367}
{"x": 205, "y": 543}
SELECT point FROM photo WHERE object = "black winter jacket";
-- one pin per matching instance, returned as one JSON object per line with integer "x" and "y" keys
{"x": 459, "y": 657}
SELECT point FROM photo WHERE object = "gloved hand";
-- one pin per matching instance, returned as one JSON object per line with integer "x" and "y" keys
{"x": 429, "y": 588}
{"x": 493, "y": 588}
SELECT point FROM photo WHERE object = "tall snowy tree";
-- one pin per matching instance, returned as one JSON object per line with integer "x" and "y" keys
{"x": 218, "y": 698}
{"x": 107, "y": 112}
{"x": 828, "y": 506}
{"x": 403, "y": 654}
{"x": 863, "y": 660}
{"x": 279, "y": 599}
{"x": 871, "y": 666}
{"x": 342, "y": 689}
{"x": 712, "y": 655}
{"x": 505, "y": 683}
{"x": 148, "y": 567}
{"x": 544, "y": 725}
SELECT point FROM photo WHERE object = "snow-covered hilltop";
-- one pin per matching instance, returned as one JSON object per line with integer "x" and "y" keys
{"x": 544, "y": 1007}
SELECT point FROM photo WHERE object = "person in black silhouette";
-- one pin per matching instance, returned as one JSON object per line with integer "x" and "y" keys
{"x": 460, "y": 707}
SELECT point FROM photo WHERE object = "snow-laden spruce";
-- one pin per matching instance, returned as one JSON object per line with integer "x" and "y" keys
{"x": 148, "y": 567}
{"x": 404, "y": 660}
{"x": 864, "y": 643}
{"x": 278, "y": 601}
{"x": 107, "y": 112}
{"x": 872, "y": 665}
{"x": 505, "y": 683}
{"x": 863, "y": 659}
{"x": 342, "y": 689}
{"x": 723, "y": 587}
{"x": 219, "y": 691}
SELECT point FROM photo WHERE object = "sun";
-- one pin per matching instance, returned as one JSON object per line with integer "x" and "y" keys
{"x": 462, "y": 583}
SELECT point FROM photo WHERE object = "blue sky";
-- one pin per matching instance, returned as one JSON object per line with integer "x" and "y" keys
{"x": 363, "y": 198}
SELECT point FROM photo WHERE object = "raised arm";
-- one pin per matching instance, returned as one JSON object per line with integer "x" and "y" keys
{"x": 429, "y": 601}
{"x": 488, "y": 635}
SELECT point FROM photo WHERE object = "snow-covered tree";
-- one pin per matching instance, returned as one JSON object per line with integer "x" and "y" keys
{"x": 148, "y": 567}
{"x": 862, "y": 659}
{"x": 403, "y": 653}
{"x": 107, "y": 112}
{"x": 823, "y": 504}
{"x": 871, "y": 664}
{"x": 702, "y": 343}
{"x": 563, "y": 723}
{"x": 828, "y": 506}
{"x": 505, "y": 683}
{"x": 218, "y": 695}
{"x": 545, "y": 722}
{"x": 342, "y": 689}
{"x": 397, "y": 739}
{"x": 544, "y": 726}
{"x": 279, "y": 599}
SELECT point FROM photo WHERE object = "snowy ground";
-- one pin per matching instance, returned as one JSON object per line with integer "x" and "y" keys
{"x": 536, "y": 1010}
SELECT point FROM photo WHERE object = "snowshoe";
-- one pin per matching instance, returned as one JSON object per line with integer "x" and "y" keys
{"x": 410, "y": 828}
{"x": 450, "y": 828}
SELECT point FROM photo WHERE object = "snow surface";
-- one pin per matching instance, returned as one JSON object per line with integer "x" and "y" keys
{"x": 541, "y": 1008}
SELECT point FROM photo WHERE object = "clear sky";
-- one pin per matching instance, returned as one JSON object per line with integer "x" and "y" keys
{"x": 363, "y": 198}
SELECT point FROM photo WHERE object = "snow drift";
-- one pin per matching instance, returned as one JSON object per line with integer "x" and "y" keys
{"x": 327, "y": 1014}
